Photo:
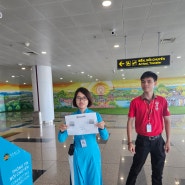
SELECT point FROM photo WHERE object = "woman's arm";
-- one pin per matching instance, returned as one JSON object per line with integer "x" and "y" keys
{"x": 62, "y": 134}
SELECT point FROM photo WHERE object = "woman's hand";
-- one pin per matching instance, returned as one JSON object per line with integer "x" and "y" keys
{"x": 63, "y": 127}
{"x": 101, "y": 125}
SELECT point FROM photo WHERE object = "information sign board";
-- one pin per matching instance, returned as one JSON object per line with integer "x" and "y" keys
{"x": 143, "y": 62}
{"x": 15, "y": 165}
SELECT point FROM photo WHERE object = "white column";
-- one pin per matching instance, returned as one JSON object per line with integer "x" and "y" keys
{"x": 42, "y": 86}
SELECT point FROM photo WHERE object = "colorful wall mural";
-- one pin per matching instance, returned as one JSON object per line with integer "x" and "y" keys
{"x": 111, "y": 94}
{"x": 106, "y": 94}
{"x": 15, "y": 97}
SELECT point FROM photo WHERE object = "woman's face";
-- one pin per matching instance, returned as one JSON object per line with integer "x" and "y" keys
{"x": 81, "y": 101}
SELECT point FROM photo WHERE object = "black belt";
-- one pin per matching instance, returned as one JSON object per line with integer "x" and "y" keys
{"x": 150, "y": 137}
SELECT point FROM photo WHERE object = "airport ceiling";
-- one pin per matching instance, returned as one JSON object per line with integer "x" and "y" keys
{"x": 83, "y": 33}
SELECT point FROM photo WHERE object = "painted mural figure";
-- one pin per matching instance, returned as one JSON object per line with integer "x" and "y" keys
{"x": 87, "y": 156}
{"x": 151, "y": 115}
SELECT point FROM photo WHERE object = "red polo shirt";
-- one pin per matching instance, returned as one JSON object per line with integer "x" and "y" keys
{"x": 152, "y": 113}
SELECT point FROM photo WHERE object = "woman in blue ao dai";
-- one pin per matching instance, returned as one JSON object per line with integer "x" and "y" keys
{"x": 87, "y": 156}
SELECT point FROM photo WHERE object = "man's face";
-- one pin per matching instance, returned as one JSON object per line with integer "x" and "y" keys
{"x": 148, "y": 84}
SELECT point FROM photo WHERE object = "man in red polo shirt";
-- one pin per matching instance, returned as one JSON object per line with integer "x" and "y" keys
{"x": 151, "y": 115}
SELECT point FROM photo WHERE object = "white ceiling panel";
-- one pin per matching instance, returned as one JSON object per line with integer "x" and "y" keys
{"x": 51, "y": 10}
{"x": 78, "y": 7}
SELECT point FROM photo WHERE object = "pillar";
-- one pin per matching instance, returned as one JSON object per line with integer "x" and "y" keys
{"x": 42, "y": 86}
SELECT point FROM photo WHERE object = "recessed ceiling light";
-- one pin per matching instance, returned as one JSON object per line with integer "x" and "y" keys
{"x": 106, "y": 3}
{"x": 23, "y": 68}
{"x": 13, "y": 76}
{"x": 44, "y": 52}
{"x": 178, "y": 56}
{"x": 6, "y": 81}
{"x": 69, "y": 65}
{"x": 116, "y": 46}
{"x": 71, "y": 80}
{"x": 24, "y": 83}
{"x": 82, "y": 72}
{"x": 61, "y": 78}
{"x": 27, "y": 44}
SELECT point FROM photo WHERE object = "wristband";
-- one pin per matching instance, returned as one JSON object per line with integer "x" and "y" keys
{"x": 129, "y": 142}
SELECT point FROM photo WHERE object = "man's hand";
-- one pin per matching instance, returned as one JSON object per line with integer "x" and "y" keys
{"x": 167, "y": 147}
{"x": 131, "y": 147}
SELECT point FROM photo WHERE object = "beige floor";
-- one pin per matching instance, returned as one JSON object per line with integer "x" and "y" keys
{"x": 51, "y": 156}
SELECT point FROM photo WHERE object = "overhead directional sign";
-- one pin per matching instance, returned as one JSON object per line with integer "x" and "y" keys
{"x": 143, "y": 62}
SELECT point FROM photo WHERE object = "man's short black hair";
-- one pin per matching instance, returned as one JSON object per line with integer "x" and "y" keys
{"x": 148, "y": 74}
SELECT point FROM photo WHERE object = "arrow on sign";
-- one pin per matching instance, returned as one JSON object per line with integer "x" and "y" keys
{"x": 121, "y": 63}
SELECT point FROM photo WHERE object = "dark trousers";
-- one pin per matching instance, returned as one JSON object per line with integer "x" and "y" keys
{"x": 144, "y": 146}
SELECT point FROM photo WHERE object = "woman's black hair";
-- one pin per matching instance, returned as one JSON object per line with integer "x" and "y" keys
{"x": 86, "y": 93}
{"x": 148, "y": 74}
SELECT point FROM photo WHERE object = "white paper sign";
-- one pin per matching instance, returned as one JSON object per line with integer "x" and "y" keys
{"x": 80, "y": 124}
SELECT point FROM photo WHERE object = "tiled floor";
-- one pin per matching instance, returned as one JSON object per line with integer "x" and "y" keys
{"x": 50, "y": 159}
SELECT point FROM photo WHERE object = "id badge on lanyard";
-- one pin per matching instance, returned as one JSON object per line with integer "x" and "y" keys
{"x": 83, "y": 143}
{"x": 149, "y": 127}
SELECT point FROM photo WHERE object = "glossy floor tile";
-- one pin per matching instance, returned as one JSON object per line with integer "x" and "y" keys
{"x": 50, "y": 158}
